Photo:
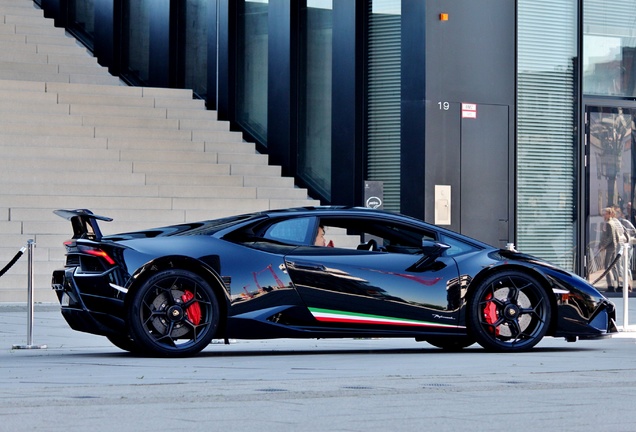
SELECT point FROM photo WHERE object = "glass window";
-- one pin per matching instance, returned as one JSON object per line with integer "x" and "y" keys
{"x": 314, "y": 135}
{"x": 457, "y": 247}
{"x": 295, "y": 231}
{"x": 81, "y": 15}
{"x": 609, "y": 48}
{"x": 611, "y": 181}
{"x": 194, "y": 45}
{"x": 251, "y": 100}
{"x": 384, "y": 98}
{"x": 546, "y": 125}
{"x": 373, "y": 235}
{"x": 136, "y": 39}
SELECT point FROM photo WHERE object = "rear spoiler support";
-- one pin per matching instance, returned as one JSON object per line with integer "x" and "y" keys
{"x": 84, "y": 223}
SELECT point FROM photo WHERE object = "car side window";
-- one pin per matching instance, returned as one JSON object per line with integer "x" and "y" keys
{"x": 457, "y": 247}
{"x": 375, "y": 236}
{"x": 294, "y": 231}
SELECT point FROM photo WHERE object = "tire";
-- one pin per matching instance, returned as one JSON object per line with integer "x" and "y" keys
{"x": 125, "y": 343}
{"x": 509, "y": 312}
{"x": 450, "y": 343}
{"x": 175, "y": 313}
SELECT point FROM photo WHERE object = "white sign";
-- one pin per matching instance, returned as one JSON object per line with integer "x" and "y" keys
{"x": 469, "y": 110}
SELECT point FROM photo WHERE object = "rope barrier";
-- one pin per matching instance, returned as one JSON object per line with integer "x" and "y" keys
{"x": 13, "y": 261}
{"x": 611, "y": 266}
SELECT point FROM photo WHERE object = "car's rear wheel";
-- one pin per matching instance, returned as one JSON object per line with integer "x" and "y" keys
{"x": 510, "y": 311}
{"x": 175, "y": 313}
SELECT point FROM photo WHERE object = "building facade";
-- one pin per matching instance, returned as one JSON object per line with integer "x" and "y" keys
{"x": 510, "y": 121}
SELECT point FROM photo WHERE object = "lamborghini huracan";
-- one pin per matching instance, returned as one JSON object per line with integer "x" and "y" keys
{"x": 319, "y": 272}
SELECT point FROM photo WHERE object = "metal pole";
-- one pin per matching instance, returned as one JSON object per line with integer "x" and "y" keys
{"x": 30, "y": 280}
{"x": 626, "y": 280}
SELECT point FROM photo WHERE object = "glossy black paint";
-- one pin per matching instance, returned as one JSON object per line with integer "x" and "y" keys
{"x": 267, "y": 288}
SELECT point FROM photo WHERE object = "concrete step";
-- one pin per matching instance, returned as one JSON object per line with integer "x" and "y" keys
{"x": 49, "y": 118}
{"x": 27, "y": 73}
{"x": 168, "y": 156}
{"x": 156, "y": 145}
{"x": 181, "y": 168}
{"x": 150, "y": 217}
{"x": 52, "y": 176}
{"x": 130, "y": 122}
{"x": 132, "y": 132}
{"x": 79, "y": 189}
{"x": 191, "y": 113}
{"x": 15, "y": 14}
{"x": 96, "y": 203}
{"x": 103, "y": 99}
{"x": 46, "y": 28}
{"x": 66, "y": 153}
{"x": 67, "y": 165}
{"x": 47, "y": 129}
{"x": 118, "y": 111}
{"x": 52, "y": 141}
{"x": 51, "y": 40}
{"x": 33, "y": 109}
{"x": 26, "y": 86}
{"x": 44, "y": 69}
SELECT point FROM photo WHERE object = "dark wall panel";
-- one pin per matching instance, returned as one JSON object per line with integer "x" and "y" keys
{"x": 159, "y": 72}
{"x": 106, "y": 40}
{"x": 226, "y": 56}
{"x": 413, "y": 128}
{"x": 212, "y": 59}
{"x": 281, "y": 86}
{"x": 346, "y": 151}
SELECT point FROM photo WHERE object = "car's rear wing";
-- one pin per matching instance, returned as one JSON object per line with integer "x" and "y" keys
{"x": 84, "y": 223}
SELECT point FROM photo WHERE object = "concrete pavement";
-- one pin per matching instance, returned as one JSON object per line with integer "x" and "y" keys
{"x": 81, "y": 382}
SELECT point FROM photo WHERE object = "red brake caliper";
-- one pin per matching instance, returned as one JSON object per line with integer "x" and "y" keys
{"x": 490, "y": 314}
{"x": 193, "y": 311}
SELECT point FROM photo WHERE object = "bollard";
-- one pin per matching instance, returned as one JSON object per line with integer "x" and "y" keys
{"x": 30, "y": 279}
{"x": 626, "y": 279}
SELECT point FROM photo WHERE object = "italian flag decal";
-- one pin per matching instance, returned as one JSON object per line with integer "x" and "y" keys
{"x": 326, "y": 315}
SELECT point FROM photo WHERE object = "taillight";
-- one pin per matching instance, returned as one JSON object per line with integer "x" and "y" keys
{"x": 96, "y": 252}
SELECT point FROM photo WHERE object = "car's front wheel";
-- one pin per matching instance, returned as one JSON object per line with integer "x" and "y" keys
{"x": 175, "y": 313}
{"x": 510, "y": 311}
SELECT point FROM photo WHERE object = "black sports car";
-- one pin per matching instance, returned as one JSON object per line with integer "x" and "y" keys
{"x": 170, "y": 291}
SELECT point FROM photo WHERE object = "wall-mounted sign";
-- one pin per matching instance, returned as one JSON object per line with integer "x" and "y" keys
{"x": 374, "y": 194}
{"x": 469, "y": 110}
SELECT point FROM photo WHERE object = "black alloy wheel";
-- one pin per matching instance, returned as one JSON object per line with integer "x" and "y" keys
{"x": 510, "y": 311}
{"x": 175, "y": 313}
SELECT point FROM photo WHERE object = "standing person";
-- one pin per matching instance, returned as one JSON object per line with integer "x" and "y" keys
{"x": 629, "y": 235}
{"x": 610, "y": 244}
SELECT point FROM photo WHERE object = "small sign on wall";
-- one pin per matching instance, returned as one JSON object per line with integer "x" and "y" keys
{"x": 442, "y": 205}
{"x": 374, "y": 194}
{"x": 469, "y": 110}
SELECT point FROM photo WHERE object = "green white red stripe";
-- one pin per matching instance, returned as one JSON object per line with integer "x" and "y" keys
{"x": 326, "y": 315}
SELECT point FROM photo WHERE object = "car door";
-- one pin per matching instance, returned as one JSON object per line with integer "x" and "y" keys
{"x": 377, "y": 290}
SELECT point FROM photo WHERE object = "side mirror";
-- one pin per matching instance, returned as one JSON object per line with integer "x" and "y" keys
{"x": 433, "y": 249}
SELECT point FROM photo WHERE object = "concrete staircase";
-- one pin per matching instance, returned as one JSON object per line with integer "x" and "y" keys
{"x": 71, "y": 136}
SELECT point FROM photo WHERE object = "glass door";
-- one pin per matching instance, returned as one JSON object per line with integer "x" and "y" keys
{"x": 611, "y": 158}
